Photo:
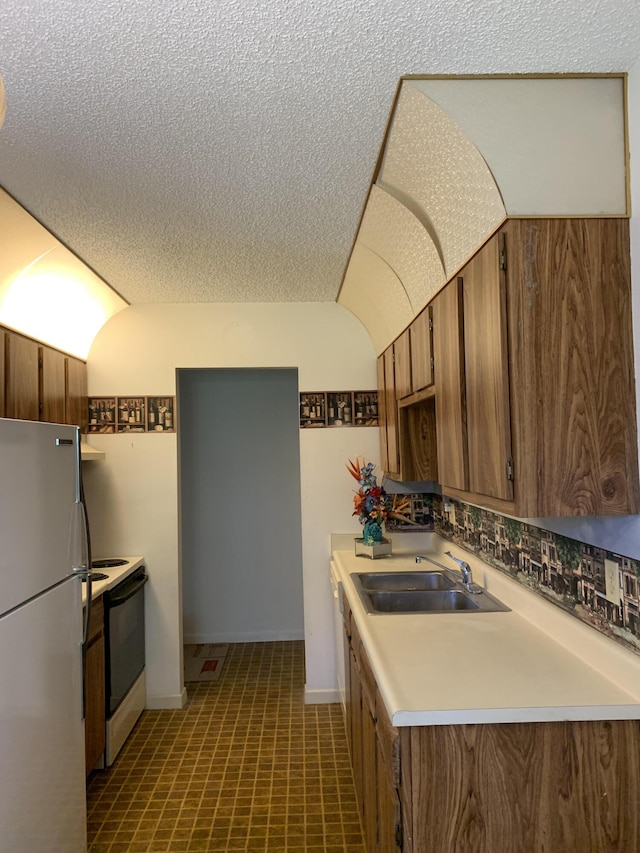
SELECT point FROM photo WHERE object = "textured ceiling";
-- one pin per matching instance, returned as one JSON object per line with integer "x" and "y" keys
{"x": 222, "y": 151}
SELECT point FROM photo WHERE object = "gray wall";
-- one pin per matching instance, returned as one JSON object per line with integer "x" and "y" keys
{"x": 240, "y": 510}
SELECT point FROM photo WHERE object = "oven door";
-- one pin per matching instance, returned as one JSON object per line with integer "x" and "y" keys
{"x": 124, "y": 628}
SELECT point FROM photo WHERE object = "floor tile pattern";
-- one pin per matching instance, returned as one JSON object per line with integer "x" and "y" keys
{"x": 246, "y": 767}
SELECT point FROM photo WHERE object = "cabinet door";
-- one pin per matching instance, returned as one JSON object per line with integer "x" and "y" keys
{"x": 76, "y": 393}
{"x": 94, "y": 689}
{"x": 2, "y": 383}
{"x": 369, "y": 780}
{"x": 94, "y": 726}
{"x": 382, "y": 415}
{"x": 21, "y": 377}
{"x": 421, "y": 351}
{"x": 355, "y": 709}
{"x": 52, "y": 385}
{"x": 391, "y": 412}
{"x": 487, "y": 374}
{"x": 402, "y": 365}
{"x": 448, "y": 349}
{"x": 571, "y": 353}
{"x": 389, "y": 814}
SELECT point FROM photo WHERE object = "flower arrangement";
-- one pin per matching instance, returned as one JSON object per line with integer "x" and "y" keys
{"x": 371, "y": 502}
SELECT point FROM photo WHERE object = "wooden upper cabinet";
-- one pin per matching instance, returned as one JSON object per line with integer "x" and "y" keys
{"x": 402, "y": 365}
{"x": 76, "y": 393}
{"x": 52, "y": 385}
{"x": 535, "y": 409}
{"x": 382, "y": 414}
{"x": 448, "y": 354}
{"x": 572, "y": 369}
{"x": 421, "y": 351}
{"x": 391, "y": 413}
{"x": 38, "y": 382}
{"x": 21, "y": 377}
{"x": 487, "y": 374}
{"x": 2, "y": 372}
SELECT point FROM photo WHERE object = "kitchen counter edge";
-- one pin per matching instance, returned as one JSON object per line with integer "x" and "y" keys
{"x": 422, "y": 662}
{"x": 115, "y": 576}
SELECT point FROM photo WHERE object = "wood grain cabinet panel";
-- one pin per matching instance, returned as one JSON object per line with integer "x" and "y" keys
{"x": 52, "y": 385}
{"x": 451, "y": 417}
{"x": 38, "y": 382}
{"x": 369, "y": 780}
{"x": 21, "y": 377}
{"x": 94, "y": 674}
{"x": 487, "y": 374}
{"x": 418, "y": 444}
{"x": 2, "y": 372}
{"x": 374, "y": 750}
{"x": 389, "y": 817}
{"x": 382, "y": 414}
{"x": 391, "y": 413}
{"x": 526, "y": 787}
{"x": 571, "y": 366}
{"x": 355, "y": 724}
{"x": 421, "y": 351}
{"x": 76, "y": 393}
{"x": 402, "y": 365}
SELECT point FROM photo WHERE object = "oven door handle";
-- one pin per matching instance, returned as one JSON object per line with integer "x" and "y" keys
{"x": 128, "y": 592}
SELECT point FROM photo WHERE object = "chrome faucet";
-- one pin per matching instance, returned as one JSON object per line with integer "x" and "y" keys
{"x": 464, "y": 574}
{"x": 465, "y": 568}
{"x": 465, "y": 571}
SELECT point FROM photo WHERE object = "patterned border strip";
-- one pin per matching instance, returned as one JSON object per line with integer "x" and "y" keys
{"x": 132, "y": 414}
{"x": 338, "y": 409}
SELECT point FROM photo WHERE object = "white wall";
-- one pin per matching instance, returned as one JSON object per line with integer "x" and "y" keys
{"x": 132, "y": 494}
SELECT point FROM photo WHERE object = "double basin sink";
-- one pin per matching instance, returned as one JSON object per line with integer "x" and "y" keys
{"x": 421, "y": 592}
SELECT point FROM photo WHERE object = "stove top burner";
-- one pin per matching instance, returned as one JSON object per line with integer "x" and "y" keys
{"x": 96, "y": 576}
{"x": 107, "y": 564}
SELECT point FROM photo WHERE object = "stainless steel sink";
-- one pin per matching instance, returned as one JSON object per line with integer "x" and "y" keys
{"x": 405, "y": 580}
{"x": 421, "y": 592}
{"x": 421, "y": 601}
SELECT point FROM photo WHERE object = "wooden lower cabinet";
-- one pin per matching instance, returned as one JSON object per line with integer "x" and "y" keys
{"x": 375, "y": 773}
{"x": 94, "y": 689}
{"x": 560, "y": 787}
{"x": 526, "y": 787}
{"x": 389, "y": 816}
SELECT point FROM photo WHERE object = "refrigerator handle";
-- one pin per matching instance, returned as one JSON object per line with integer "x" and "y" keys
{"x": 85, "y": 571}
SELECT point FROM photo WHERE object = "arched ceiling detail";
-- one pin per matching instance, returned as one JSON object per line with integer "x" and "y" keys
{"x": 392, "y": 231}
{"x": 430, "y": 160}
{"x": 373, "y": 292}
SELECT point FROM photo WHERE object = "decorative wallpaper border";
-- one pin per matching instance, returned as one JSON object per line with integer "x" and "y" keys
{"x": 599, "y": 587}
{"x": 338, "y": 409}
{"x": 132, "y": 414}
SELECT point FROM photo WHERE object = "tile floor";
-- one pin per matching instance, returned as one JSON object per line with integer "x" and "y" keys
{"x": 246, "y": 766}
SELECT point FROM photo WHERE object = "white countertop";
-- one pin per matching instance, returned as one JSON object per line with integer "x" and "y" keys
{"x": 115, "y": 576}
{"x": 535, "y": 663}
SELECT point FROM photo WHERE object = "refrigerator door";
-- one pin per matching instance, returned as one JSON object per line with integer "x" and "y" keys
{"x": 40, "y": 526}
{"x": 42, "y": 783}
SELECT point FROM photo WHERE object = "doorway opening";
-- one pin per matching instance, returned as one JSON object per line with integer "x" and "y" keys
{"x": 240, "y": 505}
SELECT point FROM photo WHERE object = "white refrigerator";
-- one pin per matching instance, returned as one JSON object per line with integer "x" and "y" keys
{"x": 43, "y": 550}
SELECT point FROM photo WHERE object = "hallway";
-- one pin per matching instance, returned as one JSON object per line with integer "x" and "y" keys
{"x": 246, "y": 767}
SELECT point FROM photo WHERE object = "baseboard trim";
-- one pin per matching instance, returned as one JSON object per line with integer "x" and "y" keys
{"x": 327, "y": 696}
{"x": 244, "y": 637}
{"x": 173, "y": 701}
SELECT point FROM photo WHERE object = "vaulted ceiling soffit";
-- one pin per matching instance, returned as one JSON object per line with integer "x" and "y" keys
{"x": 462, "y": 154}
